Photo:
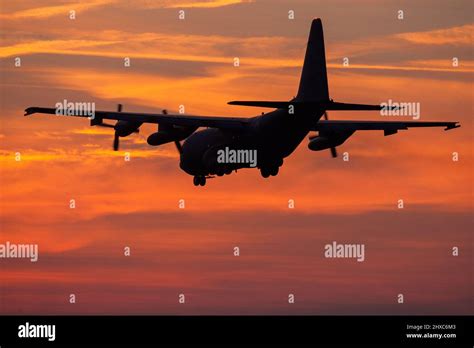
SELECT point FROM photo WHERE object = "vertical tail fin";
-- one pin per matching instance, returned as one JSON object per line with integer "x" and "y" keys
{"x": 314, "y": 79}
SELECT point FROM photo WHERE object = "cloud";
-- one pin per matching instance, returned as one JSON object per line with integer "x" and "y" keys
{"x": 45, "y": 12}
{"x": 51, "y": 11}
{"x": 51, "y": 46}
{"x": 455, "y": 36}
{"x": 421, "y": 66}
{"x": 210, "y": 49}
{"x": 199, "y": 4}
{"x": 50, "y": 135}
{"x": 29, "y": 156}
{"x": 173, "y": 252}
{"x": 263, "y": 52}
{"x": 92, "y": 131}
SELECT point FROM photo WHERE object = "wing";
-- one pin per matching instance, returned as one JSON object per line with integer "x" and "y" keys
{"x": 389, "y": 127}
{"x": 231, "y": 123}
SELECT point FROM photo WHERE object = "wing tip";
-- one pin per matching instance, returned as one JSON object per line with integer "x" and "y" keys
{"x": 452, "y": 125}
{"x": 30, "y": 110}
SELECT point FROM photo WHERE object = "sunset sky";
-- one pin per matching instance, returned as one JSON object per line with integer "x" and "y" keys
{"x": 190, "y": 251}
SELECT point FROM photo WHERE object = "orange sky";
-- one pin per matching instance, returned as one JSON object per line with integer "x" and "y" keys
{"x": 189, "y": 250}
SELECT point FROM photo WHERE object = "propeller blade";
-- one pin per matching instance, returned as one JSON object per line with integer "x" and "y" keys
{"x": 116, "y": 142}
{"x": 333, "y": 149}
{"x": 179, "y": 147}
{"x": 119, "y": 107}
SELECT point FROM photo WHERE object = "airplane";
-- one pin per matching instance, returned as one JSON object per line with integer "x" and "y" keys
{"x": 274, "y": 135}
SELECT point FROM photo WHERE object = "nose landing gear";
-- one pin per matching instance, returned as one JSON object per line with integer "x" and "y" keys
{"x": 199, "y": 180}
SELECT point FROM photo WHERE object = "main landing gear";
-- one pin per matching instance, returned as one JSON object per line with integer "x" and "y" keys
{"x": 271, "y": 169}
{"x": 267, "y": 171}
{"x": 199, "y": 180}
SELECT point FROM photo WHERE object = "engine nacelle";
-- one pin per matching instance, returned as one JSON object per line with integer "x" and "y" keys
{"x": 168, "y": 133}
{"x": 125, "y": 128}
{"x": 160, "y": 138}
{"x": 320, "y": 143}
{"x": 326, "y": 140}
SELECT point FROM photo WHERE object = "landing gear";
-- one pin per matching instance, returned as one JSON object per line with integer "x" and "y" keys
{"x": 199, "y": 180}
{"x": 267, "y": 171}
{"x": 221, "y": 171}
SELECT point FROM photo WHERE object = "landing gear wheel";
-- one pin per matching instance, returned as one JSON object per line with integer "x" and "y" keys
{"x": 265, "y": 172}
{"x": 199, "y": 180}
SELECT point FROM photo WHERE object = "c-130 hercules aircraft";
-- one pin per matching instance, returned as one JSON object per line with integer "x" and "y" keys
{"x": 273, "y": 136}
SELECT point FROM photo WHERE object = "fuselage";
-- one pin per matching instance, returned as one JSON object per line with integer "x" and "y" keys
{"x": 274, "y": 136}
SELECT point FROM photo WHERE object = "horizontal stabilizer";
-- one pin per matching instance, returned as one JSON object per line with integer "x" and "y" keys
{"x": 324, "y": 105}
{"x": 262, "y": 104}
{"x": 355, "y": 107}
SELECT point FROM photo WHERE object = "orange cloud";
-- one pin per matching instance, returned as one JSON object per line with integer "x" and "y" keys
{"x": 50, "y": 46}
{"x": 202, "y": 3}
{"x": 206, "y": 49}
{"x": 50, "y": 11}
{"x": 61, "y": 155}
{"x": 45, "y": 12}
{"x": 461, "y": 35}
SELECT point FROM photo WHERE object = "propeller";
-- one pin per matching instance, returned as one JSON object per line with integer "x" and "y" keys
{"x": 179, "y": 147}
{"x": 333, "y": 149}
{"x": 116, "y": 143}
{"x": 333, "y": 152}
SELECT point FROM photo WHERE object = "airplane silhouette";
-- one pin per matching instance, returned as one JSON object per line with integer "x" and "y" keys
{"x": 272, "y": 136}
